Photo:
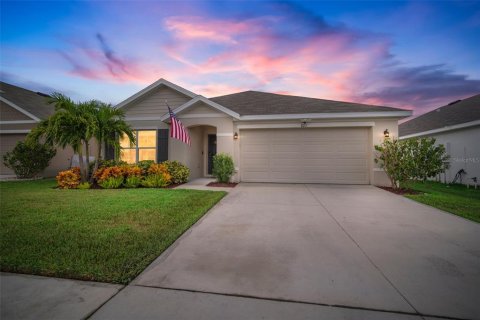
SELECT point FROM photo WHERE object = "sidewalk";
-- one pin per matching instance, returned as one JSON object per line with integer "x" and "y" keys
{"x": 33, "y": 297}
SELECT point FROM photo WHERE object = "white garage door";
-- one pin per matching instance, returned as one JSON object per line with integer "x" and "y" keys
{"x": 308, "y": 155}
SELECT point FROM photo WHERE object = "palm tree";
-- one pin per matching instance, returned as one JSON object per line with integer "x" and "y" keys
{"x": 72, "y": 124}
{"x": 110, "y": 126}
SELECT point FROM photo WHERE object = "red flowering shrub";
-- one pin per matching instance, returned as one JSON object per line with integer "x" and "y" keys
{"x": 69, "y": 179}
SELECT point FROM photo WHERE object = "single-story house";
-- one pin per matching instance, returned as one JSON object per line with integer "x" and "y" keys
{"x": 457, "y": 127}
{"x": 20, "y": 111}
{"x": 271, "y": 137}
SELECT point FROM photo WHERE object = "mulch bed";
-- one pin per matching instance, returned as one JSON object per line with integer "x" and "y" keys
{"x": 222, "y": 185}
{"x": 400, "y": 191}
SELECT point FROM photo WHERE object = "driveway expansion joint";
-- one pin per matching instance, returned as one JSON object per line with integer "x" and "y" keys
{"x": 234, "y": 295}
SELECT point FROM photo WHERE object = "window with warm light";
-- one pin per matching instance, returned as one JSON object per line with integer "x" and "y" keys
{"x": 144, "y": 149}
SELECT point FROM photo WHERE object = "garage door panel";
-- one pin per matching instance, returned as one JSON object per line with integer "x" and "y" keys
{"x": 256, "y": 148}
{"x": 256, "y": 176}
{"x": 287, "y": 147}
{"x": 359, "y": 162}
{"x": 284, "y": 162}
{"x": 311, "y": 155}
{"x": 313, "y": 163}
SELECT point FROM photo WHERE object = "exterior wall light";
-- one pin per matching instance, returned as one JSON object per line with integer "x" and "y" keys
{"x": 386, "y": 134}
{"x": 235, "y": 136}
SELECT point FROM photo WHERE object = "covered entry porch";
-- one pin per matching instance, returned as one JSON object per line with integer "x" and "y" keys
{"x": 198, "y": 157}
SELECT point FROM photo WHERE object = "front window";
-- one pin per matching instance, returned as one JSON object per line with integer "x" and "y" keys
{"x": 144, "y": 149}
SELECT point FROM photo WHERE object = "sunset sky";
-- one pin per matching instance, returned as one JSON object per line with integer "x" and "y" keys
{"x": 415, "y": 55}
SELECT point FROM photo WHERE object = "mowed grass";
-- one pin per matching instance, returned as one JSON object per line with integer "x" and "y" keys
{"x": 456, "y": 199}
{"x": 100, "y": 235}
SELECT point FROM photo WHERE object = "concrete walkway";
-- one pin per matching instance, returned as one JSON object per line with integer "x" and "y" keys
{"x": 34, "y": 297}
{"x": 201, "y": 184}
{"x": 271, "y": 251}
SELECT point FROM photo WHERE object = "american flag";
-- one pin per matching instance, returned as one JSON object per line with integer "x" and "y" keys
{"x": 177, "y": 130}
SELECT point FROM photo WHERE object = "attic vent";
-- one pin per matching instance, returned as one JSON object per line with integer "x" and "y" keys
{"x": 43, "y": 94}
{"x": 454, "y": 102}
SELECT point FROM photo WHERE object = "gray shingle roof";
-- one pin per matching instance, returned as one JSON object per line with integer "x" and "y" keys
{"x": 263, "y": 103}
{"x": 33, "y": 102}
{"x": 466, "y": 110}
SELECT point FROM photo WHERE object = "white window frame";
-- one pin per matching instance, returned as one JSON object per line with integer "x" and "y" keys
{"x": 137, "y": 148}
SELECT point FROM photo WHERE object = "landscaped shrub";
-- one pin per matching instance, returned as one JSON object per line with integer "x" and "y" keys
{"x": 407, "y": 160}
{"x": 112, "y": 182}
{"x": 223, "y": 167}
{"x": 158, "y": 177}
{"x": 84, "y": 186}
{"x": 145, "y": 165}
{"x": 111, "y": 163}
{"x": 28, "y": 159}
{"x": 69, "y": 179}
{"x": 110, "y": 177}
{"x": 178, "y": 171}
{"x": 133, "y": 176}
{"x": 158, "y": 168}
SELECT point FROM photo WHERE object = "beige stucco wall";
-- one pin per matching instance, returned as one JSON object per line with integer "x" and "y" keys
{"x": 61, "y": 161}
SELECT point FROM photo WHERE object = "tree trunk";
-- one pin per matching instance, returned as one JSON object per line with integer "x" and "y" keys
{"x": 82, "y": 165}
{"x": 87, "y": 165}
{"x": 97, "y": 159}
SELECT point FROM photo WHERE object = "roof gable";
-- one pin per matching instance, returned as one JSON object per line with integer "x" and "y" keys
{"x": 152, "y": 87}
{"x": 453, "y": 114}
{"x": 206, "y": 101}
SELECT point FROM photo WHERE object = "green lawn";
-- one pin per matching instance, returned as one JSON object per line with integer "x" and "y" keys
{"x": 101, "y": 235}
{"x": 456, "y": 199}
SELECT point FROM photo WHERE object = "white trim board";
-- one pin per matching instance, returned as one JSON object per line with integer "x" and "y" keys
{"x": 309, "y": 125}
{"x": 153, "y": 86}
{"x": 444, "y": 129}
{"x": 18, "y": 121}
{"x": 332, "y": 115}
{"x": 25, "y": 112}
{"x": 207, "y": 102}
{"x": 202, "y": 115}
{"x": 143, "y": 118}
{"x": 15, "y": 131}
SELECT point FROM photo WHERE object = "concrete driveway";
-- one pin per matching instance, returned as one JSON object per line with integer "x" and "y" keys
{"x": 324, "y": 250}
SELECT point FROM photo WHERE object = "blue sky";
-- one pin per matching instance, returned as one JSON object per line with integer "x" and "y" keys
{"x": 412, "y": 54}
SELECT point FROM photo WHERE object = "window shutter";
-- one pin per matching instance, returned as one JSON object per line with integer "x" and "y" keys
{"x": 162, "y": 145}
{"x": 109, "y": 152}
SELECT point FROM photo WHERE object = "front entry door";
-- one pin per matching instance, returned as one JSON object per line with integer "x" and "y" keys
{"x": 212, "y": 150}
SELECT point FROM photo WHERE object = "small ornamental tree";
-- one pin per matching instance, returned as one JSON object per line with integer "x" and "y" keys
{"x": 393, "y": 158}
{"x": 223, "y": 167}
{"x": 28, "y": 159}
{"x": 429, "y": 159}
{"x": 411, "y": 159}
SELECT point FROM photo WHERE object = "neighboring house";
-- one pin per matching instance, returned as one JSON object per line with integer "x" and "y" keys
{"x": 457, "y": 127}
{"x": 20, "y": 111}
{"x": 271, "y": 137}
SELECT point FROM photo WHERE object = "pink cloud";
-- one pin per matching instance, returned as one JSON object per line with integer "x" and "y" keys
{"x": 267, "y": 53}
{"x": 196, "y": 28}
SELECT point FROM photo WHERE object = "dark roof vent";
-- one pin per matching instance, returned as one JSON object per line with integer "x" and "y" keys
{"x": 454, "y": 102}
